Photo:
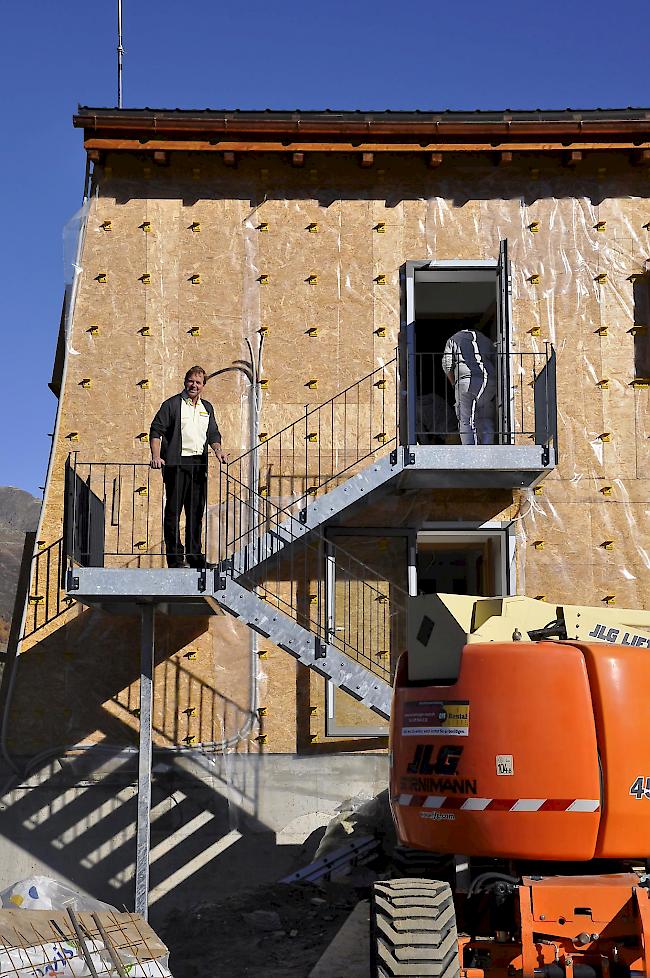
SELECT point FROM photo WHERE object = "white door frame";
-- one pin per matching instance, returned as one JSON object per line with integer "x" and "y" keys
{"x": 501, "y": 531}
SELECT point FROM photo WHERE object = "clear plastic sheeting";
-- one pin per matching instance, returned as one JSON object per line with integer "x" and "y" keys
{"x": 578, "y": 246}
{"x": 73, "y": 241}
{"x": 284, "y": 283}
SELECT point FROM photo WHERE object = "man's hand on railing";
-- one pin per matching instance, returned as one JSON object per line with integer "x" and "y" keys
{"x": 157, "y": 463}
{"x": 220, "y": 454}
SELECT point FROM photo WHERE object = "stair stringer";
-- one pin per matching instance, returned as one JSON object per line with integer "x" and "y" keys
{"x": 349, "y": 676}
{"x": 318, "y": 512}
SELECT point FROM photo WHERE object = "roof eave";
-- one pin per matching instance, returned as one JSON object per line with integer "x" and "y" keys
{"x": 150, "y": 129}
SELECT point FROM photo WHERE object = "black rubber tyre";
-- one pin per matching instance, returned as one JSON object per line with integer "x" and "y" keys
{"x": 413, "y": 930}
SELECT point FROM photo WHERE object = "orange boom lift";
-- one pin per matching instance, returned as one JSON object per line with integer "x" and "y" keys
{"x": 520, "y": 761}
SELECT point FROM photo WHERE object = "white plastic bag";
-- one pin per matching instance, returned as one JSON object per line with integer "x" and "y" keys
{"x": 43, "y": 893}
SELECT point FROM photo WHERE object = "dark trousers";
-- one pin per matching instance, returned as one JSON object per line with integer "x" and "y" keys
{"x": 185, "y": 487}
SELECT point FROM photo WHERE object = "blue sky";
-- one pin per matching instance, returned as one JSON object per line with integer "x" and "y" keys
{"x": 282, "y": 55}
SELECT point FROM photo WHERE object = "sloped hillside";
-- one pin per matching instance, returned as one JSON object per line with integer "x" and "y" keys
{"x": 18, "y": 514}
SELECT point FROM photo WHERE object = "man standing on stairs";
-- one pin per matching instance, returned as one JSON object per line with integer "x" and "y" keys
{"x": 469, "y": 363}
{"x": 179, "y": 437}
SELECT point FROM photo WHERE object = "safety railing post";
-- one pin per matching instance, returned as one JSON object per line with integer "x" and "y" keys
{"x": 547, "y": 416}
{"x": 75, "y": 518}
{"x": 219, "y": 555}
{"x": 397, "y": 398}
{"x": 306, "y": 494}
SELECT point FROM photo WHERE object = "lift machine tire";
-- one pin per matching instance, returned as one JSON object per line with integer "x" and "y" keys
{"x": 413, "y": 925}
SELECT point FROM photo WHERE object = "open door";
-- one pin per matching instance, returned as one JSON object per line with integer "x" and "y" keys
{"x": 505, "y": 434}
{"x": 546, "y": 407}
{"x": 83, "y": 521}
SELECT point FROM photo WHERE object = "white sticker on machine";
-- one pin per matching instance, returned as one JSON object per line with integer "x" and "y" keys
{"x": 434, "y": 718}
{"x": 505, "y": 764}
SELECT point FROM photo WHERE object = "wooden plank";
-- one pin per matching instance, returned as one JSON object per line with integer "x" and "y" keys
{"x": 236, "y": 146}
{"x": 128, "y": 931}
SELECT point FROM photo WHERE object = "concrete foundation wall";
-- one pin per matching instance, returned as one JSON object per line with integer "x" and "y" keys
{"x": 218, "y": 822}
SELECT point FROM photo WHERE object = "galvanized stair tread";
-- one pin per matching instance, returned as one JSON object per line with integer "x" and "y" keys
{"x": 316, "y": 513}
{"x": 348, "y": 675}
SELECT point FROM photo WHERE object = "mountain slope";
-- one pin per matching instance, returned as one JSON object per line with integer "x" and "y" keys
{"x": 18, "y": 514}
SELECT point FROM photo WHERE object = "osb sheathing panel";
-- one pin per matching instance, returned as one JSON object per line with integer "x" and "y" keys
{"x": 457, "y": 212}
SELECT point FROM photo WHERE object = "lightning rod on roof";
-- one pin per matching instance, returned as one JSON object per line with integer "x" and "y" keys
{"x": 120, "y": 53}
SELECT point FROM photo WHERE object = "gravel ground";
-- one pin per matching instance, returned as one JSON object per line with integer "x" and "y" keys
{"x": 272, "y": 931}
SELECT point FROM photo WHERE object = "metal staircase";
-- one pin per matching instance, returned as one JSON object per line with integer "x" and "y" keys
{"x": 311, "y": 598}
{"x": 371, "y": 436}
{"x": 266, "y": 512}
{"x": 327, "y": 446}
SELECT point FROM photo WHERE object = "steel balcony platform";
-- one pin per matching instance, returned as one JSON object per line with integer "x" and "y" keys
{"x": 124, "y": 590}
{"x": 476, "y": 466}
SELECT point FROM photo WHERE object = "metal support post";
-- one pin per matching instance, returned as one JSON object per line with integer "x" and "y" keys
{"x": 330, "y": 592}
{"x": 144, "y": 760}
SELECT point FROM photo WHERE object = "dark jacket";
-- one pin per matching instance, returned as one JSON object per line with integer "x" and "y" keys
{"x": 167, "y": 426}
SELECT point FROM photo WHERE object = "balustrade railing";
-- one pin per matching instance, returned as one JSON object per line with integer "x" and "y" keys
{"x": 327, "y": 444}
{"x": 503, "y": 399}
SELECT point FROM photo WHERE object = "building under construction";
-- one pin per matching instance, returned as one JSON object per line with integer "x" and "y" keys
{"x": 316, "y": 264}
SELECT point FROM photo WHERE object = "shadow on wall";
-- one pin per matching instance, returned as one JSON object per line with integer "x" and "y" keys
{"x": 75, "y": 820}
{"x": 344, "y": 180}
{"x": 91, "y": 660}
{"x": 74, "y": 816}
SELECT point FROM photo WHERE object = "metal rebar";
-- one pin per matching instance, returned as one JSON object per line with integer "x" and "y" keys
{"x": 82, "y": 943}
{"x": 108, "y": 944}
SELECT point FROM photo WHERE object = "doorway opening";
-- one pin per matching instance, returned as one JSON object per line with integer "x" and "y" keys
{"x": 463, "y": 558}
{"x": 443, "y": 309}
{"x": 464, "y": 562}
{"x": 468, "y": 301}
{"x": 641, "y": 291}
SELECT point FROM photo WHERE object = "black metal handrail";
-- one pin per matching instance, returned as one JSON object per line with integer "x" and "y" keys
{"x": 114, "y": 509}
{"x": 322, "y": 586}
{"x": 521, "y": 397}
{"x": 46, "y": 599}
{"x": 504, "y": 398}
{"x": 327, "y": 442}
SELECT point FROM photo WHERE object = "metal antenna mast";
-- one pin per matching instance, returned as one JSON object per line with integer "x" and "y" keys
{"x": 120, "y": 53}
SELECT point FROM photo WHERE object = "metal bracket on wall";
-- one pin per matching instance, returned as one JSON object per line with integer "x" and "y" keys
{"x": 409, "y": 457}
{"x": 393, "y": 457}
{"x": 219, "y": 579}
{"x": 202, "y": 585}
{"x": 72, "y": 582}
{"x": 546, "y": 455}
{"x": 320, "y": 649}
{"x": 302, "y": 515}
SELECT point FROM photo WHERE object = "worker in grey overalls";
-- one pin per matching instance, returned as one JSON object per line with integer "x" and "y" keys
{"x": 469, "y": 361}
